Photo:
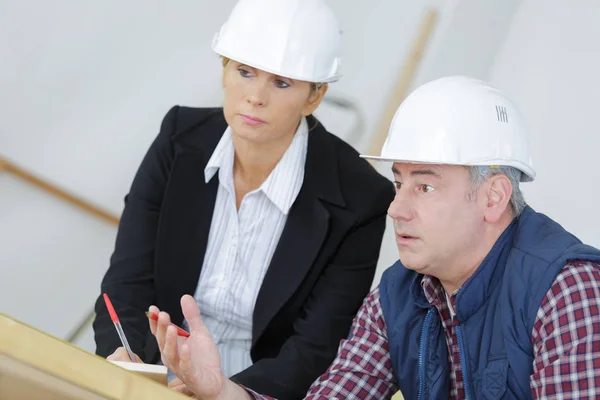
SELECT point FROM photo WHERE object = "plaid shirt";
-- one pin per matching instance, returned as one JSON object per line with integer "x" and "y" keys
{"x": 565, "y": 338}
{"x": 436, "y": 296}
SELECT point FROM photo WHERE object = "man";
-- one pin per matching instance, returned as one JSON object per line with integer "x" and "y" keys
{"x": 489, "y": 299}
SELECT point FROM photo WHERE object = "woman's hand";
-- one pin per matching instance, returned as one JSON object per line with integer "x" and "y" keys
{"x": 120, "y": 354}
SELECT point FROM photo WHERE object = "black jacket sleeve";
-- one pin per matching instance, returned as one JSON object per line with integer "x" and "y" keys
{"x": 129, "y": 280}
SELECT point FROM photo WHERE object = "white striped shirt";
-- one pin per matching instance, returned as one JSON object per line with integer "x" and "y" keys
{"x": 241, "y": 244}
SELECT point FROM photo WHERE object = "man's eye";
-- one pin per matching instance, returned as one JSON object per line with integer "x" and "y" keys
{"x": 427, "y": 188}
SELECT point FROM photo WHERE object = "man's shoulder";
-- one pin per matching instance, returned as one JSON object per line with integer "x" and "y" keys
{"x": 577, "y": 276}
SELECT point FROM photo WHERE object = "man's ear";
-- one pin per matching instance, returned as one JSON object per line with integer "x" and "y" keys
{"x": 498, "y": 194}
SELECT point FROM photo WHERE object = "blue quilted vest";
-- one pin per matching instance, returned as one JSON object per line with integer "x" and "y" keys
{"x": 496, "y": 309}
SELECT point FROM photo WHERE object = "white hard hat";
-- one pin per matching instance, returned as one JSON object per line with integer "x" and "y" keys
{"x": 461, "y": 121}
{"x": 296, "y": 39}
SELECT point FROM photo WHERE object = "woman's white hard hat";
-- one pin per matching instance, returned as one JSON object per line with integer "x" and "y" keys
{"x": 297, "y": 39}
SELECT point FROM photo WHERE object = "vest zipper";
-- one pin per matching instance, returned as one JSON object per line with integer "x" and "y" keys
{"x": 422, "y": 349}
{"x": 463, "y": 362}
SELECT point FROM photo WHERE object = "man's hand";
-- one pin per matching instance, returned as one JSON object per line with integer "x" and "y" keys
{"x": 195, "y": 360}
{"x": 177, "y": 385}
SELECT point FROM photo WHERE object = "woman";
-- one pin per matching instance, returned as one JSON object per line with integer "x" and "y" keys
{"x": 273, "y": 224}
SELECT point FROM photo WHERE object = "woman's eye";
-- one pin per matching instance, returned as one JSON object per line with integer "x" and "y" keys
{"x": 244, "y": 73}
{"x": 281, "y": 84}
{"x": 397, "y": 185}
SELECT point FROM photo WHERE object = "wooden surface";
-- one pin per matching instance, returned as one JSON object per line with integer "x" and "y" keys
{"x": 35, "y": 365}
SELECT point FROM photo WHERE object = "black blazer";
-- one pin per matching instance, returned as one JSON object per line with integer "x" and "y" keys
{"x": 322, "y": 268}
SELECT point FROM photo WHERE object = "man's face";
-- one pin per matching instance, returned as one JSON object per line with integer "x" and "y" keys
{"x": 436, "y": 221}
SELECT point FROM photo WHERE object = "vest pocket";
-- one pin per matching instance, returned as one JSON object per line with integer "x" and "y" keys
{"x": 493, "y": 380}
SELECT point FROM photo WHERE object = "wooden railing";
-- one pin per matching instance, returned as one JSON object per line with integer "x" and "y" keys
{"x": 19, "y": 172}
{"x": 10, "y": 167}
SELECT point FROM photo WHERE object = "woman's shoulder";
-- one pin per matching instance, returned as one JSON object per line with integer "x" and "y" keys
{"x": 182, "y": 118}
{"x": 182, "y": 124}
{"x": 350, "y": 163}
{"x": 191, "y": 116}
{"x": 360, "y": 182}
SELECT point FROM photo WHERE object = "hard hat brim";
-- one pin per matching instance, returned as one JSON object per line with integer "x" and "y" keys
{"x": 528, "y": 175}
{"x": 254, "y": 64}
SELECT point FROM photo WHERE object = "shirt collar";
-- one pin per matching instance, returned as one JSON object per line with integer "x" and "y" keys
{"x": 283, "y": 183}
{"x": 221, "y": 158}
{"x": 437, "y": 296}
{"x": 433, "y": 289}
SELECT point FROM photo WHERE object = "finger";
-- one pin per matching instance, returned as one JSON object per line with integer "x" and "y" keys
{"x": 178, "y": 388}
{"x": 155, "y": 310}
{"x": 164, "y": 361}
{"x": 175, "y": 382}
{"x": 191, "y": 312}
{"x": 161, "y": 329}
{"x": 170, "y": 350}
{"x": 120, "y": 354}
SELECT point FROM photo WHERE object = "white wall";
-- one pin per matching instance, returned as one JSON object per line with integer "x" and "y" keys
{"x": 85, "y": 85}
{"x": 549, "y": 64}
{"x": 51, "y": 258}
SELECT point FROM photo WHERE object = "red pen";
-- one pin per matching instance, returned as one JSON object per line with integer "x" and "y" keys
{"x": 180, "y": 332}
{"x": 115, "y": 320}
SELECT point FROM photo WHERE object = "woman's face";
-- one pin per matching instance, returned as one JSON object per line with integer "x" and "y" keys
{"x": 262, "y": 107}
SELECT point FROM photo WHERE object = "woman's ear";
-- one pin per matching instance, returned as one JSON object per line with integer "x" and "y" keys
{"x": 314, "y": 99}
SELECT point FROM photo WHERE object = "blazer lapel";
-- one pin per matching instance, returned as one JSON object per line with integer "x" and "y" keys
{"x": 305, "y": 230}
{"x": 188, "y": 210}
{"x": 301, "y": 239}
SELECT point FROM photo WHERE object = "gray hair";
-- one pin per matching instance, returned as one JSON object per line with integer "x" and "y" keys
{"x": 479, "y": 174}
